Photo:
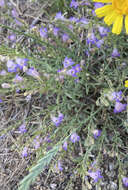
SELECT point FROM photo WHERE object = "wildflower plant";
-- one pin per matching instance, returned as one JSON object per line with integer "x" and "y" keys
{"x": 63, "y": 78}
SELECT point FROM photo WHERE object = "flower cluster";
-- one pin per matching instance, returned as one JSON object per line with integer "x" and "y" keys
{"x": 19, "y": 63}
{"x": 74, "y": 138}
{"x": 17, "y": 66}
{"x": 43, "y": 32}
{"x": 95, "y": 175}
{"x": 118, "y": 97}
{"x": 22, "y": 71}
{"x": 25, "y": 152}
{"x": 73, "y": 20}
{"x": 73, "y": 71}
{"x": 93, "y": 40}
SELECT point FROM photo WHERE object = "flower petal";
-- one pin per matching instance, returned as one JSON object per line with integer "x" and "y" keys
{"x": 110, "y": 18}
{"x": 126, "y": 24}
{"x": 117, "y": 26}
{"x": 103, "y": 1}
{"x": 103, "y": 11}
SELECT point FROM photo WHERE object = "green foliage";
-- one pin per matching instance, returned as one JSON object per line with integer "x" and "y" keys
{"x": 86, "y": 104}
{"x": 36, "y": 170}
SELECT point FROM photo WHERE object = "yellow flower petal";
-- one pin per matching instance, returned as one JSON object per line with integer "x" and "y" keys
{"x": 103, "y": 11}
{"x": 110, "y": 18}
{"x": 103, "y": 1}
{"x": 117, "y": 26}
{"x": 114, "y": 13}
{"x": 126, "y": 83}
{"x": 126, "y": 24}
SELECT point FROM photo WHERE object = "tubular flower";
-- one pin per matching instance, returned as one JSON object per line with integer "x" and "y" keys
{"x": 114, "y": 13}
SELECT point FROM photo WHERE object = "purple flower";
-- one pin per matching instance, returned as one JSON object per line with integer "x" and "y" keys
{"x": 57, "y": 120}
{"x": 3, "y": 136}
{"x": 47, "y": 139}
{"x": 125, "y": 181}
{"x": 11, "y": 66}
{"x": 95, "y": 175}
{"x": 83, "y": 20}
{"x": 117, "y": 96}
{"x": 93, "y": 163}
{"x": 74, "y": 4}
{"x": 43, "y": 32}
{"x": 37, "y": 141}
{"x": 3, "y": 73}
{"x": 103, "y": 31}
{"x": 2, "y": 3}
{"x": 16, "y": 17}
{"x": 1, "y": 100}
{"x": 18, "y": 22}
{"x": 91, "y": 39}
{"x": 115, "y": 53}
{"x": 21, "y": 62}
{"x": 33, "y": 72}
{"x": 22, "y": 128}
{"x": 55, "y": 31}
{"x": 77, "y": 68}
{"x": 71, "y": 72}
{"x": 25, "y": 152}
{"x": 87, "y": 53}
{"x": 73, "y": 19}
{"x": 17, "y": 90}
{"x": 74, "y": 138}
{"x": 49, "y": 148}
{"x": 65, "y": 37}
{"x": 17, "y": 79}
{"x": 96, "y": 133}
{"x": 68, "y": 62}
{"x": 98, "y": 5}
{"x": 74, "y": 70}
{"x": 12, "y": 37}
{"x": 61, "y": 116}
{"x": 119, "y": 107}
{"x": 59, "y": 166}
{"x": 76, "y": 80}
{"x": 65, "y": 145}
{"x": 14, "y": 13}
{"x": 99, "y": 43}
{"x": 59, "y": 16}
{"x": 71, "y": 27}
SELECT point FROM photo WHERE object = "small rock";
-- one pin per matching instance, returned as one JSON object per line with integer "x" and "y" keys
{"x": 53, "y": 185}
{"x": 111, "y": 166}
{"x": 113, "y": 186}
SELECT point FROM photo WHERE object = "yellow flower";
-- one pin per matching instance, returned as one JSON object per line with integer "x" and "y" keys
{"x": 126, "y": 84}
{"x": 114, "y": 13}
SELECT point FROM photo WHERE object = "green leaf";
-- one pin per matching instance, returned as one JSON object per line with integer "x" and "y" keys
{"x": 36, "y": 170}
